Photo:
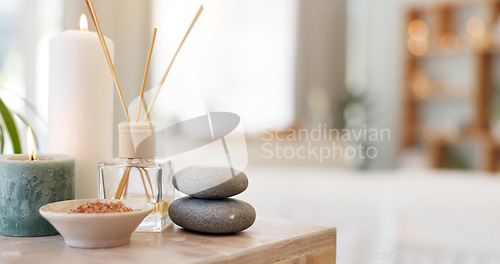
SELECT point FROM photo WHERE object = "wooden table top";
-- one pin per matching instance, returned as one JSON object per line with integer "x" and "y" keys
{"x": 267, "y": 241}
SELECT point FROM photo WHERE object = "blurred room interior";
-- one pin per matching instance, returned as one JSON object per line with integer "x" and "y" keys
{"x": 379, "y": 117}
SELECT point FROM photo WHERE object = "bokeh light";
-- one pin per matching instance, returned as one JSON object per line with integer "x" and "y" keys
{"x": 418, "y": 30}
{"x": 422, "y": 86}
{"x": 418, "y": 47}
{"x": 476, "y": 27}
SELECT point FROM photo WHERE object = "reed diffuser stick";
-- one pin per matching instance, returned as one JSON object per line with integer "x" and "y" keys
{"x": 160, "y": 84}
{"x": 123, "y": 182}
{"x": 90, "y": 6}
{"x": 144, "y": 184}
{"x": 122, "y": 189}
{"x": 147, "y": 174}
{"x": 145, "y": 75}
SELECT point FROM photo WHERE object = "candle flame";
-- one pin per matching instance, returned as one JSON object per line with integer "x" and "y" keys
{"x": 30, "y": 141}
{"x": 84, "y": 24}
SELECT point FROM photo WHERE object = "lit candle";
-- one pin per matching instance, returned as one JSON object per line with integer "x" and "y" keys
{"x": 81, "y": 103}
{"x": 29, "y": 181}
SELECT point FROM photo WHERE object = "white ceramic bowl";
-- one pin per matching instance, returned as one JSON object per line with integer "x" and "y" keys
{"x": 95, "y": 230}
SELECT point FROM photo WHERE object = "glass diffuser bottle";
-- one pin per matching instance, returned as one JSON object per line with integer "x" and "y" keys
{"x": 138, "y": 175}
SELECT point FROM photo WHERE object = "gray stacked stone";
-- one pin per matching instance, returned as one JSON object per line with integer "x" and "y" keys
{"x": 208, "y": 207}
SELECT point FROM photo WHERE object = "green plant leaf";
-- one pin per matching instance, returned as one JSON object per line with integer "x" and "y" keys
{"x": 29, "y": 105}
{"x": 28, "y": 125}
{"x": 11, "y": 127}
{"x": 2, "y": 140}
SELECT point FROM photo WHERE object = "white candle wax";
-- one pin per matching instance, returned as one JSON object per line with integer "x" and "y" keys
{"x": 81, "y": 104}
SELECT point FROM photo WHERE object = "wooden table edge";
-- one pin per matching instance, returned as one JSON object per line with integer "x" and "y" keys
{"x": 314, "y": 247}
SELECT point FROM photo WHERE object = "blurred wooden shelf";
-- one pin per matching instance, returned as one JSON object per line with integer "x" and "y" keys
{"x": 440, "y": 53}
{"x": 435, "y": 33}
{"x": 485, "y": 145}
{"x": 442, "y": 98}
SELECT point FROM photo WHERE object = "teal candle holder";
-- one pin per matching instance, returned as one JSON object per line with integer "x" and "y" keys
{"x": 26, "y": 185}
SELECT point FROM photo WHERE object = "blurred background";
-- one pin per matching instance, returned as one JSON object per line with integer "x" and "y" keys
{"x": 379, "y": 117}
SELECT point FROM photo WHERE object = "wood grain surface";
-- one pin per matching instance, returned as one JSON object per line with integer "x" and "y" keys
{"x": 267, "y": 241}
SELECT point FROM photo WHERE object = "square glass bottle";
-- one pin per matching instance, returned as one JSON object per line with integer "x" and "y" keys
{"x": 138, "y": 175}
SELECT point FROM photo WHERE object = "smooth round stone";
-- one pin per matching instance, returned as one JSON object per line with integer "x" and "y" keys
{"x": 212, "y": 216}
{"x": 210, "y": 181}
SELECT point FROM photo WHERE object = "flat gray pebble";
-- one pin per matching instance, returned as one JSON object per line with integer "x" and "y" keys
{"x": 210, "y": 181}
{"x": 212, "y": 216}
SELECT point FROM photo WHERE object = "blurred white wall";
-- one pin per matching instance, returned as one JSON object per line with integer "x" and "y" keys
{"x": 385, "y": 75}
{"x": 26, "y": 27}
{"x": 320, "y": 72}
{"x": 240, "y": 56}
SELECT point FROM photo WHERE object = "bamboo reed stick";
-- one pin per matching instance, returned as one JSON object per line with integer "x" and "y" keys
{"x": 149, "y": 181}
{"x": 125, "y": 187}
{"x": 124, "y": 195}
{"x": 144, "y": 184}
{"x": 90, "y": 6}
{"x": 160, "y": 84}
{"x": 123, "y": 182}
{"x": 122, "y": 189}
{"x": 145, "y": 75}
{"x": 147, "y": 176}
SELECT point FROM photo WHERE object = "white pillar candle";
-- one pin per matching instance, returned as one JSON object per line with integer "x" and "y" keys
{"x": 81, "y": 104}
